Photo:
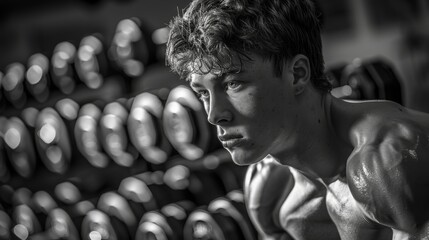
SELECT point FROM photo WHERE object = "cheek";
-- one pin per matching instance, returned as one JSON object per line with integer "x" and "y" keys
{"x": 249, "y": 105}
{"x": 264, "y": 106}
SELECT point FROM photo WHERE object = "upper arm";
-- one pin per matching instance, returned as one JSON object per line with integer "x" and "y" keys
{"x": 388, "y": 178}
{"x": 265, "y": 185}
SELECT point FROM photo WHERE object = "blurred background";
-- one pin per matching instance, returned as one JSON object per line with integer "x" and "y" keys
{"x": 99, "y": 140}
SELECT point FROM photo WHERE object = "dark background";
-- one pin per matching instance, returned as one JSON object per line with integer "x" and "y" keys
{"x": 352, "y": 29}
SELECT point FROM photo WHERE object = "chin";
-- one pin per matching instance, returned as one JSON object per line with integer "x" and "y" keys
{"x": 244, "y": 158}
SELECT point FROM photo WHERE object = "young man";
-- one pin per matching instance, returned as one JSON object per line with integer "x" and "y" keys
{"x": 320, "y": 167}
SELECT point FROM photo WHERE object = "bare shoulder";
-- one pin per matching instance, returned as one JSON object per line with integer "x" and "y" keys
{"x": 266, "y": 185}
{"x": 387, "y": 171}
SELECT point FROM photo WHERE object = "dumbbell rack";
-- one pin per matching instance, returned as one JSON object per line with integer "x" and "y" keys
{"x": 53, "y": 195}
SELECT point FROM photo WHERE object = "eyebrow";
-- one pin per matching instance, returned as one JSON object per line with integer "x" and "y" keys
{"x": 215, "y": 78}
{"x": 194, "y": 85}
{"x": 220, "y": 78}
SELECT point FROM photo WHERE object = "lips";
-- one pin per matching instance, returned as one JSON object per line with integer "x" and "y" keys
{"x": 230, "y": 140}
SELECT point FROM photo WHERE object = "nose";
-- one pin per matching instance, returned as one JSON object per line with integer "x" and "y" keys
{"x": 218, "y": 112}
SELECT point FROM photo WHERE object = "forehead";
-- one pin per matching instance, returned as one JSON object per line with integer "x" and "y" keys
{"x": 255, "y": 67}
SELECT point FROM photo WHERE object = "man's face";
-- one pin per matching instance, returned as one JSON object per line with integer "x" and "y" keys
{"x": 254, "y": 111}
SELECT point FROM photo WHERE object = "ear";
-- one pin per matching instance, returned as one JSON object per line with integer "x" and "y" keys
{"x": 301, "y": 72}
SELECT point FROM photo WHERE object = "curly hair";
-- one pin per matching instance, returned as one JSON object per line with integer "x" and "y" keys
{"x": 211, "y": 34}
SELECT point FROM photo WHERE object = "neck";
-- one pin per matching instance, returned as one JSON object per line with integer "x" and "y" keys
{"x": 320, "y": 152}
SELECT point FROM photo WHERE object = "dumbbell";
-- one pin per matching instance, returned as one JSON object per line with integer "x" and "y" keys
{"x": 52, "y": 141}
{"x": 163, "y": 191}
{"x": 145, "y": 129}
{"x": 19, "y": 147}
{"x": 62, "y": 67}
{"x": 67, "y": 193}
{"x": 368, "y": 80}
{"x": 138, "y": 194}
{"x": 5, "y": 225}
{"x": 166, "y": 223}
{"x": 220, "y": 163}
{"x": 195, "y": 183}
{"x": 22, "y": 195}
{"x": 224, "y": 218}
{"x": 42, "y": 203}
{"x": 58, "y": 226}
{"x": 233, "y": 205}
{"x": 114, "y": 135}
{"x": 160, "y": 38}
{"x": 6, "y": 197}
{"x": 362, "y": 85}
{"x": 202, "y": 224}
{"x": 97, "y": 225}
{"x": 13, "y": 85}
{"x": 37, "y": 77}
{"x": 25, "y": 222}
{"x": 120, "y": 213}
{"x": 56, "y": 223}
{"x": 129, "y": 50}
{"x": 387, "y": 81}
{"x": 39, "y": 203}
{"x": 74, "y": 202}
{"x": 334, "y": 73}
{"x": 2, "y": 100}
{"x": 5, "y": 174}
{"x": 87, "y": 135}
{"x": 147, "y": 192}
{"x": 185, "y": 124}
{"x": 91, "y": 61}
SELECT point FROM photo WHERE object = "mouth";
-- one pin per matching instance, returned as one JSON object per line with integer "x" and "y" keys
{"x": 230, "y": 140}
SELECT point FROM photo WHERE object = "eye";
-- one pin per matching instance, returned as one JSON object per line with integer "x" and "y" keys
{"x": 233, "y": 85}
{"x": 202, "y": 94}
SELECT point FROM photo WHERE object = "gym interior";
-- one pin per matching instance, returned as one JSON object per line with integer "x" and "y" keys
{"x": 100, "y": 140}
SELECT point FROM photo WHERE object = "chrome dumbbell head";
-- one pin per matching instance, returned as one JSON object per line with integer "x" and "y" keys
{"x": 202, "y": 224}
{"x": 5, "y": 225}
{"x": 2, "y": 100}
{"x": 114, "y": 135}
{"x": 25, "y": 222}
{"x": 387, "y": 81}
{"x": 165, "y": 223}
{"x": 186, "y": 125}
{"x": 118, "y": 209}
{"x": 13, "y": 85}
{"x": 62, "y": 67}
{"x": 91, "y": 61}
{"x": 145, "y": 128}
{"x": 97, "y": 225}
{"x": 87, "y": 134}
{"x": 67, "y": 193}
{"x": 53, "y": 141}
{"x": 233, "y": 206}
{"x": 129, "y": 49}
{"x": 42, "y": 203}
{"x": 19, "y": 147}
{"x": 37, "y": 77}
{"x": 193, "y": 183}
{"x": 60, "y": 226}
{"x": 138, "y": 194}
{"x": 5, "y": 174}
{"x": 224, "y": 218}
{"x": 162, "y": 192}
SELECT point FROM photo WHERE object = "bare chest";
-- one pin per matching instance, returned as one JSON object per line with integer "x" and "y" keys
{"x": 304, "y": 215}
{"x": 348, "y": 216}
{"x": 314, "y": 211}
